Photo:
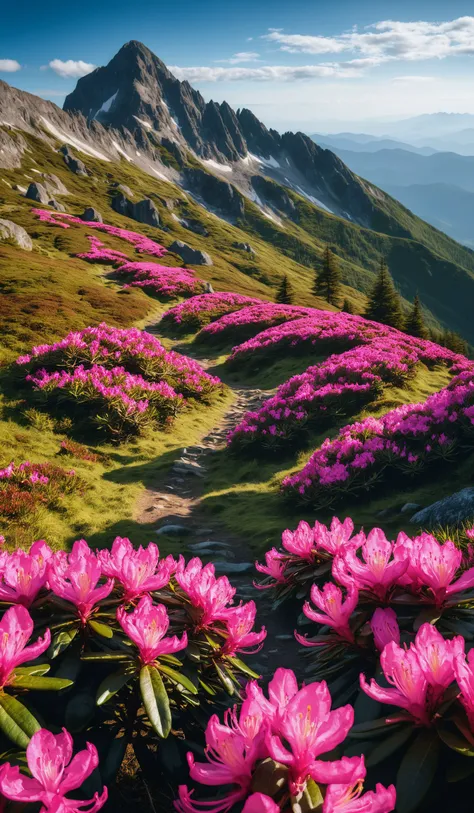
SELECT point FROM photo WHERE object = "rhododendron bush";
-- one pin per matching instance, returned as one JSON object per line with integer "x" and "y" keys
{"x": 250, "y": 320}
{"x": 163, "y": 281}
{"x": 201, "y": 310}
{"x": 123, "y": 380}
{"x": 26, "y": 486}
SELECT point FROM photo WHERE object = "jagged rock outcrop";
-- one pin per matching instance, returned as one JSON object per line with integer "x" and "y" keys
{"x": 191, "y": 256}
{"x": 12, "y": 148}
{"x": 54, "y": 185}
{"x": 215, "y": 192}
{"x": 56, "y": 205}
{"x": 73, "y": 162}
{"x": 244, "y": 247}
{"x": 144, "y": 211}
{"x": 91, "y": 215}
{"x": 275, "y": 196}
{"x": 194, "y": 225}
{"x": 38, "y": 192}
{"x": 12, "y": 232}
{"x": 123, "y": 188}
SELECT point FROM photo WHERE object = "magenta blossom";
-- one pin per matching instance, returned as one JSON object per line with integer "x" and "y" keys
{"x": 260, "y": 803}
{"x": 75, "y": 578}
{"x": 275, "y": 566}
{"x": 420, "y": 675}
{"x": 53, "y": 774}
{"x": 300, "y": 542}
{"x": 146, "y": 626}
{"x": 465, "y": 679}
{"x": 435, "y": 566}
{"x": 335, "y": 612}
{"x": 384, "y": 626}
{"x": 335, "y": 539}
{"x": 239, "y": 622}
{"x": 307, "y": 729}
{"x": 23, "y": 574}
{"x": 138, "y": 570}
{"x": 377, "y": 573}
{"x": 16, "y": 628}
{"x": 350, "y": 799}
{"x": 206, "y": 593}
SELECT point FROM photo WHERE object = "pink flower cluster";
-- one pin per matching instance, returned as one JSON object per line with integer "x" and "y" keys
{"x": 143, "y": 244}
{"x": 161, "y": 280}
{"x": 295, "y": 727}
{"x": 252, "y": 319}
{"x": 344, "y": 382}
{"x": 136, "y": 350}
{"x": 99, "y": 253}
{"x": 25, "y": 486}
{"x": 203, "y": 309}
{"x": 407, "y": 438}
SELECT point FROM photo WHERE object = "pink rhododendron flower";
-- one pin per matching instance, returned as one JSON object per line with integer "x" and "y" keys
{"x": 434, "y": 566}
{"x": 53, "y": 774}
{"x": 470, "y": 533}
{"x": 138, "y": 570}
{"x": 239, "y": 622}
{"x": 16, "y": 628}
{"x": 75, "y": 579}
{"x": 207, "y": 593}
{"x": 300, "y": 542}
{"x": 146, "y": 626}
{"x": 420, "y": 675}
{"x": 23, "y": 575}
{"x": 377, "y": 573}
{"x": 260, "y": 803}
{"x": 335, "y": 612}
{"x": 465, "y": 679}
{"x": 335, "y": 539}
{"x": 275, "y": 566}
{"x": 384, "y": 626}
{"x": 307, "y": 729}
{"x": 350, "y": 799}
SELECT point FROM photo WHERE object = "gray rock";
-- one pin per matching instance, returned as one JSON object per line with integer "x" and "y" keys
{"x": 54, "y": 185}
{"x": 38, "y": 192}
{"x": 91, "y": 215}
{"x": 194, "y": 225}
{"x": 451, "y": 510}
{"x": 245, "y": 247}
{"x": 209, "y": 543}
{"x": 190, "y": 255}
{"x": 121, "y": 204}
{"x": 125, "y": 189}
{"x": 208, "y": 289}
{"x": 73, "y": 162}
{"x": 409, "y": 507}
{"x": 56, "y": 205}
{"x": 145, "y": 211}
{"x": 233, "y": 567}
{"x": 17, "y": 234}
{"x": 173, "y": 530}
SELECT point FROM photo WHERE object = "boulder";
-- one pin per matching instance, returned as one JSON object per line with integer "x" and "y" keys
{"x": 194, "y": 225}
{"x": 451, "y": 510}
{"x": 54, "y": 185}
{"x": 245, "y": 247}
{"x": 91, "y": 215}
{"x": 72, "y": 162}
{"x": 145, "y": 211}
{"x": 191, "y": 256}
{"x": 215, "y": 192}
{"x": 56, "y": 205}
{"x": 409, "y": 507}
{"x": 17, "y": 234}
{"x": 123, "y": 188}
{"x": 38, "y": 192}
{"x": 121, "y": 204}
{"x": 208, "y": 289}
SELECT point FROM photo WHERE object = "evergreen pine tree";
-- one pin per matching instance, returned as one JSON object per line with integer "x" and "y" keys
{"x": 453, "y": 341}
{"x": 285, "y": 294}
{"x": 415, "y": 324}
{"x": 384, "y": 300}
{"x": 347, "y": 306}
{"x": 327, "y": 282}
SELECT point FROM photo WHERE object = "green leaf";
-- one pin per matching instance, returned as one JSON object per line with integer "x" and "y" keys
{"x": 112, "y": 684}
{"x": 155, "y": 700}
{"x": 225, "y": 680}
{"x": 417, "y": 770}
{"x": 459, "y": 770}
{"x": 61, "y": 641}
{"x": 365, "y": 709}
{"x": 177, "y": 677}
{"x": 310, "y": 801}
{"x": 242, "y": 667}
{"x": 79, "y": 711}
{"x": 40, "y": 684}
{"x": 101, "y": 629}
{"x": 106, "y": 656}
{"x": 40, "y": 669}
{"x": 269, "y": 777}
{"x": 387, "y": 747}
{"x": 456, "y": 742}
{"x": 429, "y": 615}
{"x": 374, "y": 728}
{"x": 16, "y": 721}
{"x": 110, "y": 765}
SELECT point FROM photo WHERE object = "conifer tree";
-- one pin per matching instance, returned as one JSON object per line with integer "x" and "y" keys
{"x": 384, "y": 300}
{"x": 453, "y": 341}
{"x": 415, "y": 324}
{"x": 285, "y": 294}
{"x": 347, "y": 306}
{"x": 327, "y": 283}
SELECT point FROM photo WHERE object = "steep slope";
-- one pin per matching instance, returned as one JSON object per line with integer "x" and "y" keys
{"x": 445, "y": 206}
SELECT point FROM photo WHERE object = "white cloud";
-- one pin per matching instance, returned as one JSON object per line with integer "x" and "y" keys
{"x": 387, "y": 40}
{"x": 9, "y": 65}
{"x": 71, "y": 68}
{"x": 412, "y": 80}
{"x": 241, "y": 56}
{"x": 269, "y": 73}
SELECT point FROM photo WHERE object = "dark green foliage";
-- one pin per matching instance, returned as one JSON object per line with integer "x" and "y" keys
{"x": 285, "y": 295}
{"x": 415, "y": 324}
{"x": 453, "y": 341}
{"x": 384, "y": 300}
{"x": 327, "y": 282}
{"x": 347, "y": 306}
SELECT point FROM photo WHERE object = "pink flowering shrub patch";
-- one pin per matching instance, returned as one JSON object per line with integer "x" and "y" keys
{"x": 121, "y": 380}
{"x": 250, "y": 320}
{"x": 340, "y": 385}
{"x": 163, "y": 281}
{"x": 406, "y": 440}
{"x": 26, "y": 486}
{"x": 99, "y": 253}
{"x": 143, "y": 244}
{"x": 199, "y": 311}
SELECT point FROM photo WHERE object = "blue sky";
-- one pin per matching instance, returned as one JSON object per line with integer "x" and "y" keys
{"x": 312, "y": 65}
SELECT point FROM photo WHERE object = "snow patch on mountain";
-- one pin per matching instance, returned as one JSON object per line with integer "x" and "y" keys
{"x": 67, "y": 138}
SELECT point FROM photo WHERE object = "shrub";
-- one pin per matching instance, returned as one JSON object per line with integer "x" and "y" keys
{"x": 201, "y": 310}
{"x": 161, "y": 280}
{"x": 26, "y": 486}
